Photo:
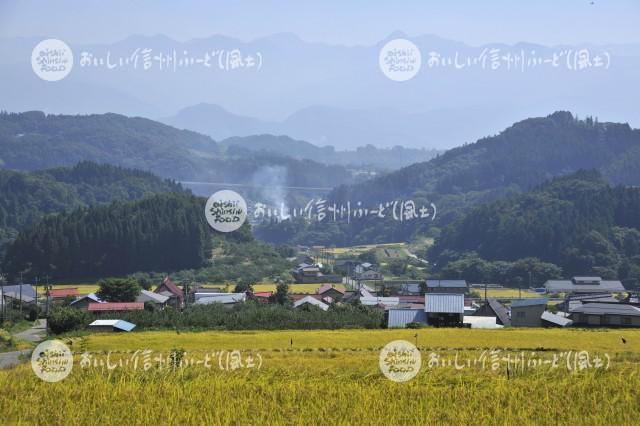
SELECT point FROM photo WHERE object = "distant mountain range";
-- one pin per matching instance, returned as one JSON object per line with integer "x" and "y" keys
{"x": 329, "y": 94}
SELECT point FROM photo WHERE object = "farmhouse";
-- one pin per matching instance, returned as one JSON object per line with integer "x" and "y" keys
{"x": 444, "y": 309}
{"x": 327, "y": 290}
{"x": 24, "y": 292}
{"x": 606, "y": 314}
{"x": 493, "y": 308}
{"x": 84, "y": 301}
{"x": 310, "y": 301}
{"x": 157, "y": 299}
{"x": 528, "y": 312}
{"x": 584, "y": 285}
{"x": 172, "y": 291}
{"x": 311, "y": 274}
{"x": 447, "y": 286}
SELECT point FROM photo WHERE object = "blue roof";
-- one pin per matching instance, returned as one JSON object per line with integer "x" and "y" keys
{"x": 124, "y": 325}
{"x": 529, "y": 302}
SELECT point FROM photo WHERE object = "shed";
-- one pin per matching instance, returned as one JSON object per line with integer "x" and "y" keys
{"x": 399, "y": 318}
{"x": 444, "y": 309}
{"x": 150, "y": 296}
{"x": 111, "y": 325}
{"x": 606, "y": 314}
{"x": 549, "y": 319}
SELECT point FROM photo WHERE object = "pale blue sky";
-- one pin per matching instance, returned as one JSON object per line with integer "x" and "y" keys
{"x": 335, "y": 21}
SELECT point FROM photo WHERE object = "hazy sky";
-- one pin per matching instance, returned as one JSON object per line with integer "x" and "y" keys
{"x": 334, "y": 21}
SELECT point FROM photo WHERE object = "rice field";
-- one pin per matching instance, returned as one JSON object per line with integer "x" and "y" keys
{"x": 332, "y": 377}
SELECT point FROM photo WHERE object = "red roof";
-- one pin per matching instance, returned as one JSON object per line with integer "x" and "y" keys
{"x": 120, "y": 306}
{"x": 326, "y": 287}
{"x": 262, "y": 294}
{"x": 171, "y": 287}
{"x": 63, "y": 292}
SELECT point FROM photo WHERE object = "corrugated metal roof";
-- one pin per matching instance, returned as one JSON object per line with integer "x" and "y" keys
{"x": 27, "y": 290}
{"x": 607, "y": 309}
{"x": 90, "y": 296}
{"x": 149, "y": 296}
{"x": 312, "y": 301}
{"x": 226, "y": 298}
{"x": 447, "y": 283}
{"x": 529, "y": 302}
{"x": 118, "y": 324}
{"x": 375, "y": 300}
{"x": 402, "y": 317}
{"x": 556, "y": 319}
{"x": 444, "y": 303}
{"x": 500, "y": 310}
{"x": 561, "y": 286}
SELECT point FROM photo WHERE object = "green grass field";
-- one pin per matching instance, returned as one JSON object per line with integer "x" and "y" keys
{"x": 332, "y": 377}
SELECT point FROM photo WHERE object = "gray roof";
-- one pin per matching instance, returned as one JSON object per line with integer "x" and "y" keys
{"x": 500, "y": 311}
{"x": 447, "y": 283}
{"x": 560, "y": 286}
{"x": 90, "y": 296}
{"x": 444, "y": 303}
{"x": 27, "y": 290}
{"x": 556, "y": 319}
{"x": 149, "y": 296}
{"x": 13, "y": 295}
{"x": 529, "y": 302}
{"x": 607, "y": 309}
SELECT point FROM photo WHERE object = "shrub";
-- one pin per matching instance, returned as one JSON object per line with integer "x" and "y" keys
{"x": 64, "y": 319}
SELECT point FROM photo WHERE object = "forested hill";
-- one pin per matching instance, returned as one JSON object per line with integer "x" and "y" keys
{"x": 25, "y": 197}
{"x": 165, "y": 232}
{"x": 578, "y": 222}
{"x": 34, "y": 141}
{"x": 522, "y": 156}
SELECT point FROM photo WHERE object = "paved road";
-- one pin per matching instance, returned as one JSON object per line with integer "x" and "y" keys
{"x": 34, "y": 334}
{"x": 10, "y": 359}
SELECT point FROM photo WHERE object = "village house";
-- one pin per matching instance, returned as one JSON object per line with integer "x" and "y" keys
{"x": 222, "y": 298}
{"x": 528, "y": 312}
{"x": 606, "y": 314}
{"x": 146, "y": 296}
{"x": 172, "y": 291}
{"x": 327, "y": 290}
{"x": 310, "y": 301}
{"x": 584, "y": 285}
{"x": 84, "y": 301}
{"x": 493, "y": 308}
{"x": 311, "y": 274}
{"x": 60, "y": 294}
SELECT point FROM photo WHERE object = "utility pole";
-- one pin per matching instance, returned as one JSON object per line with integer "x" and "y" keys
{"x": 21, "y": 284}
